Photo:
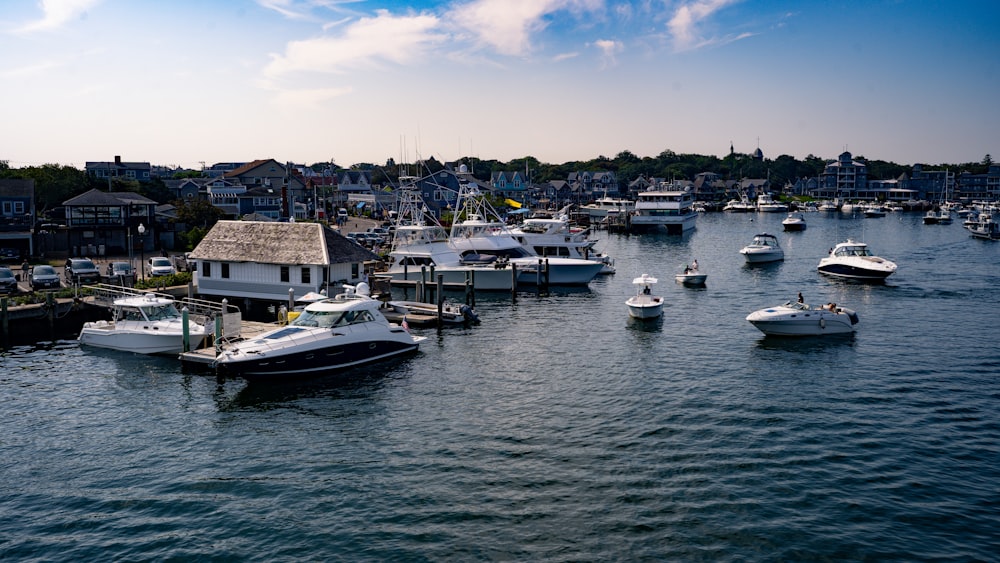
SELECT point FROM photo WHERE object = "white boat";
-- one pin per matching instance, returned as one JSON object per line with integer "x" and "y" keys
{"x": 608, "y": 208}
{"x": 691, "y": 275}
{"x": 145, "y": 324}
{"x": 827, "y": 206}
{"x": 794, "y": 222}
{"x": 421, "y": 247}
{"x": 644, "y": 305}
{"x": 799, "y": 319}
{"x": 340, "y": 332}
{"x": 741, "y": 205}
{"x": 985, "y": 227}
{"x": 665, "y": 208}
{"x": 763, "y": 248}
{"x": 767, "y": 204}
{"x": 451, "y": 313}
{"x": 556, "y": 236}
{"x": 855, "y": 261}
{"x": 481, "y": 233}
{"x": 873, "y": 210}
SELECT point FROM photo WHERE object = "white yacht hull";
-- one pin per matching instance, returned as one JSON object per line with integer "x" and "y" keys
{"x": 786, "y": 320}
{"x": 645, "y": 306}
{"x": 145, "y": 338}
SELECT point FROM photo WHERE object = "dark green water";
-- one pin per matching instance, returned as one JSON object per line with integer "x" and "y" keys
{"x": 558, "y": 429}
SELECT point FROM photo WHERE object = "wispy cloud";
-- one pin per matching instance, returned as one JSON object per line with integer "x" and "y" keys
{"x": 686, "y": 24}
{"x": 609, "y": 50}
{"x": 57, "y": 13}
{"x": 367, "y": 42}
{"x": 508, "y": 25}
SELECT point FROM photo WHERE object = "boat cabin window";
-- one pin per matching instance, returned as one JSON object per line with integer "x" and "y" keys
{"x": 330, "y": 319}
{"x": 161, "y": 312}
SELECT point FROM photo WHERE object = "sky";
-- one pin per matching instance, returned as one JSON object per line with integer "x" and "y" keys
{"x": 194, "y": 82}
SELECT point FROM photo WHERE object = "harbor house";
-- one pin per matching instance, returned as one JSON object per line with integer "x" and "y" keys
{"x": 264, "y": 260}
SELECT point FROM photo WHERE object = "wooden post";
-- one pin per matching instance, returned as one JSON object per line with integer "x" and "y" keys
{"x": 513, "y": 282}
{"x": 470, "y": 284}
{"x": 185, "y": 330}
{"x": 4, "y": 320}
{"x": 440, "y": 299}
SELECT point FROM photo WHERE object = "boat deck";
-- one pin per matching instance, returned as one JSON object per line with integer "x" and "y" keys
{"x": 206, "y": 355}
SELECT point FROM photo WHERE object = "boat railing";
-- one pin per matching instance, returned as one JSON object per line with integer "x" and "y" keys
{"x": 106, "y": 294}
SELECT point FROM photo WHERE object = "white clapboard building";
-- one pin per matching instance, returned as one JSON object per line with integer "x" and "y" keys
{"x": 264, "y": 260}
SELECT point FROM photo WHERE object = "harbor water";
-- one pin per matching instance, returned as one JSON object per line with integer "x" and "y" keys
{"x": 558, "y": 429}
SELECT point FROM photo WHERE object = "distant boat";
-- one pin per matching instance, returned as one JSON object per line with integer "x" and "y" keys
{"x": 763, "y": 248}
{"x": 985, "y": 227}
{"x": 799, "y": 319}
{"x": 665, "y": 208}
{"x": 691, "y": 275}
{"x": 794, "y": 222}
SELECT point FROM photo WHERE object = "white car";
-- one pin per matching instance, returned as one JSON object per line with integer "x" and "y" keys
{"x": 160, "y": 266}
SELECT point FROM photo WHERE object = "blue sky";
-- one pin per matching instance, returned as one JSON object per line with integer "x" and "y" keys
{"x": 191, "y": 81}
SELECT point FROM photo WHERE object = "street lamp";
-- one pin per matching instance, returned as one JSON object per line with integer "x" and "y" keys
{"x": 142, "y": 249}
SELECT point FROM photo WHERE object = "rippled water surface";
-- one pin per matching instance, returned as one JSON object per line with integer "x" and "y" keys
{"x": 558, "y": 429}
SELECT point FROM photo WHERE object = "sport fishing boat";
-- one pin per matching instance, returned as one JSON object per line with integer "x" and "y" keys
{"x": 145, "y": 324}
{"x": 855, "y": 261}
{"x": 337, "y": 333}
{"x": 799, "y": 319}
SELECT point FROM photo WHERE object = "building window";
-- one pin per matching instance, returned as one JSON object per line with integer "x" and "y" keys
{"x": 354, "y": 270}
{"x": 284, "y": 274}
{"x": 306, "y": 274}
{"x": 225, "y": 270}
{"x": 206, "y": 269}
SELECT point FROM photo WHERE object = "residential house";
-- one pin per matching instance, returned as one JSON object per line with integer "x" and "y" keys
{"x": 139, "y": 171}
{"x": 271, "y": 173}
{"x": 17, "y": 213}
{"x": 593, "y": 185}
{"x": 108, "y": 223}
{"x": 932, "y": 185}
{"x": 511, "y": 185}
{"x": 979, "y": 187}
{"x": 843, "y": 178}
{"x": 265, "y": 260}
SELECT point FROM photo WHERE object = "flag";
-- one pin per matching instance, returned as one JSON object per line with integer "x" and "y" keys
{"x": 406, "y": 325}
{"x": 512, "y": 203}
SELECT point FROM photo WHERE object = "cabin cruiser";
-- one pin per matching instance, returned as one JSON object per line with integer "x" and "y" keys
{"x": 794, "y": 222}
{"x": 644, "y": 305}
{"x": 855, "y": 261}
{"x": 763, "y": 248}
{"x": 665, "y": 208}
{"x": 557, "y": 236}
{"x": 799, "y": 319}
{"x": 767, "y": 204}
{"x": 483, "y": 235}
{"x": 608, "y": 208}
{"x": 340, "y": 332}
{"x": 145, "y": 324}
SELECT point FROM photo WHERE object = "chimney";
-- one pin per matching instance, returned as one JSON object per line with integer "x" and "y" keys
{"x": 118, "y": 160}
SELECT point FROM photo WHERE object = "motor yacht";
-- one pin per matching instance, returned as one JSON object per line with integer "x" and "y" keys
{"x": 146, "y": 324}
{"x": 665, "y": 208}
{"x": 799, "y": 319}
{"x": 644, "y": 305}
{"x": 340, "y": 332}
{"x": 855, "y": 261}
{"x": 763, "y": 248}
{"x": 556, "y": 236}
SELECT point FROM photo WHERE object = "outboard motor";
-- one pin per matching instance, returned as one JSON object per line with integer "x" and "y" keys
{"x": 851, "y": 315}
{"x": 469, "y": 314}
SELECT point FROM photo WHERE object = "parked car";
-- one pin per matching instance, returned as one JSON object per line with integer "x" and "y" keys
{"x": 44, "y": 276}
{"x": 120, "y": 272}
{"x": 161, "y": 266}
{"x": 81, "y": 270}
{"x": 8, "y": 283}
{"x": 9, "y": 254}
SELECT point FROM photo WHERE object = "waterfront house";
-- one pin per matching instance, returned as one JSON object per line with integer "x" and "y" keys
{"x": 17, "y": 212}
{"x": 104, "y": 223}
{"x": 264, "y": 260}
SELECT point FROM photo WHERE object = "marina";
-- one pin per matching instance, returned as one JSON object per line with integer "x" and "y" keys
{"x": 579, "y": 432}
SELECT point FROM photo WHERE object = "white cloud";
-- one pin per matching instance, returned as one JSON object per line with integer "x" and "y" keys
{"x": 57, "y": 13}
{"x": 508, "y": 25}
{"x": 368, "y": 42}
{"x": 609, "y": 49}
{"x": 685, "y": 24}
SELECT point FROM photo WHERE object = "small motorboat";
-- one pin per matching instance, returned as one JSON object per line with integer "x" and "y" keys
{"x": 799, "y": 319}
{"x": 691, "y": 275}
{"x": 644, "y": 305}
{"x": 763, "y": 248}
{"x": 451, "y": 313}
{"x": 145, "y": 324}
{"x": 985, "y": 227}
{"x": 854, "y": 260}
{"x": 794, "y": 222}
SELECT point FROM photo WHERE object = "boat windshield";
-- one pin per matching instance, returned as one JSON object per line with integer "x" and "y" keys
{"x": 853, "y": 251}
{"x": 160, "y": 312}
{"x": 330, "y": 319}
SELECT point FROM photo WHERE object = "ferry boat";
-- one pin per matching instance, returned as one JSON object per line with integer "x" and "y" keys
{"x": 666, "y": 209}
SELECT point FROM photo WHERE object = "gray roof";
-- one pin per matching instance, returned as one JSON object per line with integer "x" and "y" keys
{"x": 98, "y": 198}
{"x": 278, "y": 243}
{"x": 16, "y": 187}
